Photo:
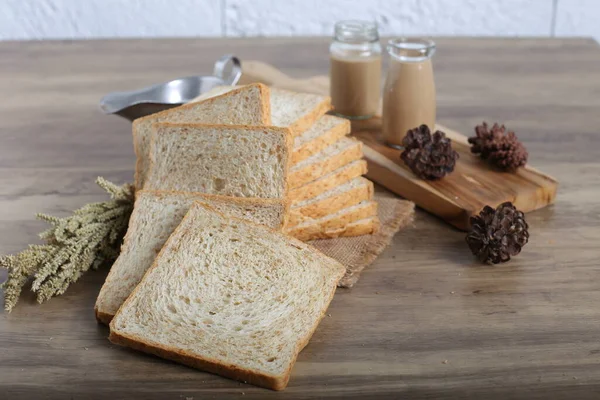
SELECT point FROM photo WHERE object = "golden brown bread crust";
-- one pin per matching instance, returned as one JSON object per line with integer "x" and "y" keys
{"x": 321, "y": 185}
{"x": 102, "y": 317}
{"x": 302, "y": 124}
{"x": 330, "y": 205}
{"x": 302, "y": 176}
{"x": 316, "y": 145}
{"x": 358, "y": 228}
{"x": 214, "y": 366}
{"x": 329, "y": 227}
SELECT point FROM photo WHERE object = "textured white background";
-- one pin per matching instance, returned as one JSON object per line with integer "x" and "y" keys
{"x": 52, "y": 19}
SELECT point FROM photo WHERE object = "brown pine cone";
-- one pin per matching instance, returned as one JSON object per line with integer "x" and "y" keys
{"x": 499, "y": 147}
{"x": 498, "y": 234}
{"x": 428, "y": 156}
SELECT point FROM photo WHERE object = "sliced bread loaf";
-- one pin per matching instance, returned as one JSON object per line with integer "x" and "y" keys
{"x": 229, "y": 297}
{"x": 247, "y": 105}
{"x": 241, "y": 161}
{"x": 326, "y": 131}
{"x": 155, "y": 216}
{"x": 342, "y": 152}
{"x": 329, "y": 181}
{"x": 331, "y": 201}
{"x": 321, "y": 227}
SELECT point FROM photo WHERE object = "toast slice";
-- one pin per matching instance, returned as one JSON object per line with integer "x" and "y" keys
{"x": 229, "y": 297}
{"x": 342, "y": 152}
{"x": 155, "y": 216}
{"x": 230, "y": 160}
{"x": 326, "y": 131}
{"x": 338, "y": 198}
{"x": 329, "y": 181}
{"x": 367, "y": 226}
{"x": 297, "y": 111}
{"x": 247, "y": 105}
{"x": 327, "y": 226}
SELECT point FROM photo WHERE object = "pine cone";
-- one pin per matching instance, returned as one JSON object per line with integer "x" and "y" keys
{"x": 428, "y": 156}
{"x": 498, "y": 234}
{"x": 499, "y": 148}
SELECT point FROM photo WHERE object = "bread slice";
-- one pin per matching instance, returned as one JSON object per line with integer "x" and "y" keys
{"x": 326, "y": 131}
{"x": 229, "y": 297}
{"x": 297, "y": 111}
{"x": 329, "y": 181}
{"x": 321, "y": 228}
{"x": 155, "y": 216}
{"x": 343, "y": 196}
{"x": 230, "y": 160}
{"x": 247, "y": 105}
{"x": 367, "y": 226}
{"x": 342, "y": 152}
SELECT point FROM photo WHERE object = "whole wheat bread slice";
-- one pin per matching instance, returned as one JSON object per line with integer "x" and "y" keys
{"x": 335, "y": 156}
{"x": 297, "y": 111}
{"x": 321, "y": 228}
{"x": 241, "y": 161}
{"x": 155, "y": 216}
{"x": 342, "y": 196}
{"x": 229, "y": 297}
{"x": 294, "y": 110}
{"x": 329, "y": 181}
{"x": 367, "y": 226}
{"x": 247, "y": 105}
{"x": 326, "y": 131}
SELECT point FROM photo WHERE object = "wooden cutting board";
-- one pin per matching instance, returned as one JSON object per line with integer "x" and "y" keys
{"x": 456, "y": 197}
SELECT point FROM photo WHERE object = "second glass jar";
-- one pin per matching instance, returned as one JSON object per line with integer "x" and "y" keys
{"x": 355, "y": 69}
{"x": 409, "y": 91}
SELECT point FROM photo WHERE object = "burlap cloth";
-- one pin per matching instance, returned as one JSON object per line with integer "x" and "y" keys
{"x": 356, "y": 253}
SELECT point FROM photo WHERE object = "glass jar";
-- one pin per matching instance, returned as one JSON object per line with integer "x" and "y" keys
{"x": 355, "y": 69}
{"x": 409, "y": 91}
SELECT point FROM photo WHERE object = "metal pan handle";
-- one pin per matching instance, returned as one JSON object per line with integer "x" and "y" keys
{"x": 229, "y": 69}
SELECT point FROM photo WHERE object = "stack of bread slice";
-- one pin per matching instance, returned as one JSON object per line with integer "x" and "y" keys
{"x": 206, "y": 277}
{"x": 329, "y": 197}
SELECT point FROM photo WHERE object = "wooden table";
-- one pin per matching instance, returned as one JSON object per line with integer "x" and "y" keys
{"x": 424, "y": 321}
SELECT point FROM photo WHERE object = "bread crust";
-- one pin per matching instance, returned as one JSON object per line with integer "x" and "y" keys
{"x": 305, "y": 122}
{"x": 216, "y": 366}
{"x": 328, "y": 182}
{"x": 286, "y": 133}
{"x": 327, "y": 138}
{"x": 265, "y": 99}
{"x": 367, "y": 226}
{"x": 327, "y": 227}
{"x": 331, "y": 204}
{"x": 302, "y": 176}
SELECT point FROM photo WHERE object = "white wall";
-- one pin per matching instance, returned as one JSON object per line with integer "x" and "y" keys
{"x": 51, "y": 19}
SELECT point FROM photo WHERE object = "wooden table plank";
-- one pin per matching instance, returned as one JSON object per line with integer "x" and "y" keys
{"x": 425, "y": 321}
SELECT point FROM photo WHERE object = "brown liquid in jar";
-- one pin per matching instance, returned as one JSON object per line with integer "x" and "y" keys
{"x": 408, "y": 99}
{"x": 355, "y": 85}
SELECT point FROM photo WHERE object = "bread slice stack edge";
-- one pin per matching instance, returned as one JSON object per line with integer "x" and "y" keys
{"x": 324, "y": 162}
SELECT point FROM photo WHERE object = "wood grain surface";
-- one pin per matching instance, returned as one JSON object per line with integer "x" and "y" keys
{"x": 425, "y": 321}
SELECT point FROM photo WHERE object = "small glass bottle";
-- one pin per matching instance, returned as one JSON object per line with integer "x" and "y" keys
{"x": 355, "y": 69}
{"x": 409, "y": 91}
